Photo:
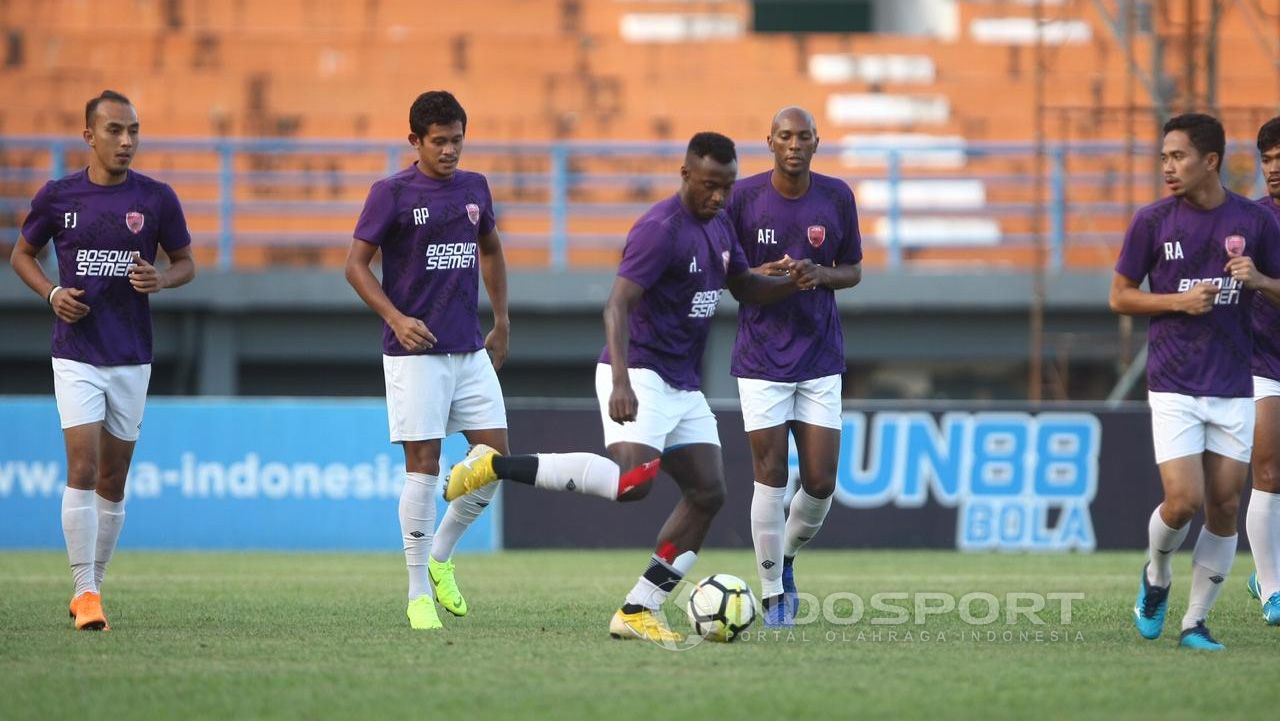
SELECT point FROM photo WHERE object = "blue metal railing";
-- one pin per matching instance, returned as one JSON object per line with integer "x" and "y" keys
{"x": 558, "y": 183}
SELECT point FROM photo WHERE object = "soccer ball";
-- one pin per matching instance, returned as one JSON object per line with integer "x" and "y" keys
{"x": 720, "y": 607}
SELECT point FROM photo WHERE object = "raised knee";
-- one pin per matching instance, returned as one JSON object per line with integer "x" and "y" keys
{"x": 82, "y": 473}
{"x": 1180, "y": 510}
{"x": 709, "y": 500}
{"x": 1266, "y": 476}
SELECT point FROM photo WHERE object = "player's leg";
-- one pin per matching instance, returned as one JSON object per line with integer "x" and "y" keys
{"x": 418, "y": 392}
{"x": 699, "y": 472}
{"x": 587, "y": 473}
{"x": 126, "y": 397}
{"x": 817, "y": 433}
{"x": 79, "y": 391}
{"x": 1228, "y": 446}
{"x": 767, "y": 409}
{"x": 478, "y": 410}
{"x": 1262, "y": 520}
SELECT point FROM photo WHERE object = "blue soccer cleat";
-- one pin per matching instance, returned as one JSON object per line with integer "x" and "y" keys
{"x": 1149, "y": 609}
{"x": 1255, "y": 589}
{"x": 1197, "y": 637}
{"x": 1271, "y": 610}
{"x": 777, "y": 613}
{"x": 789, "y": 586}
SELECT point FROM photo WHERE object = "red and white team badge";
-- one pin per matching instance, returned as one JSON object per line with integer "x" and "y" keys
{"x": 473, "y": 213}
{"x": 817, "y": 235}
{"x": 134, "y": 220}
{"x": 724, "y": 256}
{"x": 1234, "y": 245}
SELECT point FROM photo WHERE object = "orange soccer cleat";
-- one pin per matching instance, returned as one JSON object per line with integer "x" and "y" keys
{"x": 86, "y": 609}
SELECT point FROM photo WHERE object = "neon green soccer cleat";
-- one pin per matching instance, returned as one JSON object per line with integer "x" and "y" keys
{"x": 422, "y": 614}
{"x": 446, "y": 587}
{"x": 475, "y": 471}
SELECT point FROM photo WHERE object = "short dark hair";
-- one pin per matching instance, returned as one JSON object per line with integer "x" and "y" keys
{"x": 718, "y": 146}
{"x": 435, "y": 107}
{"x": 92, "y": 106}
{"x": 1269, "y": 135}
{"x": 1204, "y": 131}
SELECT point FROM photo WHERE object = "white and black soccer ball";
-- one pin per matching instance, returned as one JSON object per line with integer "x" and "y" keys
{"x": 721, "y": 607}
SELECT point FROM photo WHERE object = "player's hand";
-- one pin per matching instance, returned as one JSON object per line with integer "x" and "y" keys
{"x": 412, "y": 333}
{"x": 1197, "y": 300}
{"x": 67, "y": 306}
{"x": 805, "y": 274}
{"x": 145, "y": 277}
{"x": 496, "y": 343}
{"x": 622, "y": 403}
{"x": 774, "y": 267}
{"x": 1242, "y": 269}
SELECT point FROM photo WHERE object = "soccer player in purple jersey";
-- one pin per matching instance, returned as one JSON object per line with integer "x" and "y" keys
{"x": 677, "y": 258}
{"x": 1262, "y": 519}
{"x": 1197, "y": 250}
{"x": 106, "y": 223}
{"x": 789, "y": 356}
{"x": 435, "y": 227}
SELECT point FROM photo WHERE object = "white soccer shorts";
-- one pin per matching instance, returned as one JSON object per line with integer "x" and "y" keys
{"x": 113, "y": 395}
{"x": 666, "y": 417}
{"x": 431, "y": 396}
{"x": 1265, "y": 388}
{"x": 1183, "y": 425}
{"x": 766, "y": 404}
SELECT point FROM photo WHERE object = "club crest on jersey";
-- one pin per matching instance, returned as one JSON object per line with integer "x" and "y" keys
{"x": 817, "y": 235}
{"x": 724, "y": 257}
{"x": 473, "y": 213}
{"x": 133, "y": 220}
{"x": 1234, "y": 245}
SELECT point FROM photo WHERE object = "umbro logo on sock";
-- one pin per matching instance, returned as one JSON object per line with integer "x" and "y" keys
{"x": 1163, "y": 552}
{"x": 768, "y": 564}
{"x": 482, "y": 504}
{"x": 802, "y": 539}
{"x": 417, "y": 534}
{"x": 570, "y": 485}
{"x": 1217, "y": 579}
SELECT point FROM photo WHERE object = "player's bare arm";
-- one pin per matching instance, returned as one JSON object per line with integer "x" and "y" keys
{"x": 412, "y": 333}
{"x": 64, "y": 301}
{"x": 617, "y": 333}
{"x": 147, "y": 278}
{"x": 837, "y": 277}
{"x": 493, "y": 269}
{"x": 1243, "y": 270}
{"x": 759, "y": 289}
{"x": 1127, "y": 298}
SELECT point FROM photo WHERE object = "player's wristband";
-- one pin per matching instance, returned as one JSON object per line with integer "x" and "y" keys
{"x": 53, "y": 290}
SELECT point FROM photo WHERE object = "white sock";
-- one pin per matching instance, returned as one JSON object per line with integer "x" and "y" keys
{"x": 1162, "y": 542}
{"x": 659, "y": 579}
{"x": 1210, "y": 565}
{"x": 80, "y": 530}
{"x": 110, "y": 521}
{"x": 1260, "y": 522}
{"x": 417, "y": 522}
{"x": 461, "y": 514}
{"x": 585, "y": 473}
{"x": 804, "y": 521}
{"x": 768, "y": 522}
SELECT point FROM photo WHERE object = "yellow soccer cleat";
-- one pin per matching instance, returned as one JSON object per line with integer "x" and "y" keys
{"x": 643, "y": 624}
{"x": 86, "y": 609}
{"x": 422, "y": 614}
{"x": 446, "y": 586}
{"x": 474, "y": 472}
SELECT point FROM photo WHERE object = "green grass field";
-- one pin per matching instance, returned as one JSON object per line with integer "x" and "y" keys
{"x": 240, "y": 636}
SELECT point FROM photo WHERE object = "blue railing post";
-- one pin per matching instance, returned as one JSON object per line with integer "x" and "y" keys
{"x": 895, "y": 211}
{"x": 57, "y": 159}
{"x": 393, "y": 160}
{"x": 559, "y": 206}
{"x": 226, "y": 203}
{"x": 1057, "y": 208}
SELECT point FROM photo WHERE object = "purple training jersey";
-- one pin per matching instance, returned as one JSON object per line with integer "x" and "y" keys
{"x": 96, "y": 229}
{"x": 1177, "y": 246}
{"x": 428, "y": 231}
{"x": 1266, "y": 322}
{"x": 681, "y": 262}
{"x": 798, "y": 338}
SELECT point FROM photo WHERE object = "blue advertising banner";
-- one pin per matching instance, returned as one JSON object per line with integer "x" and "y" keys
{"x": 287, "y": 474}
